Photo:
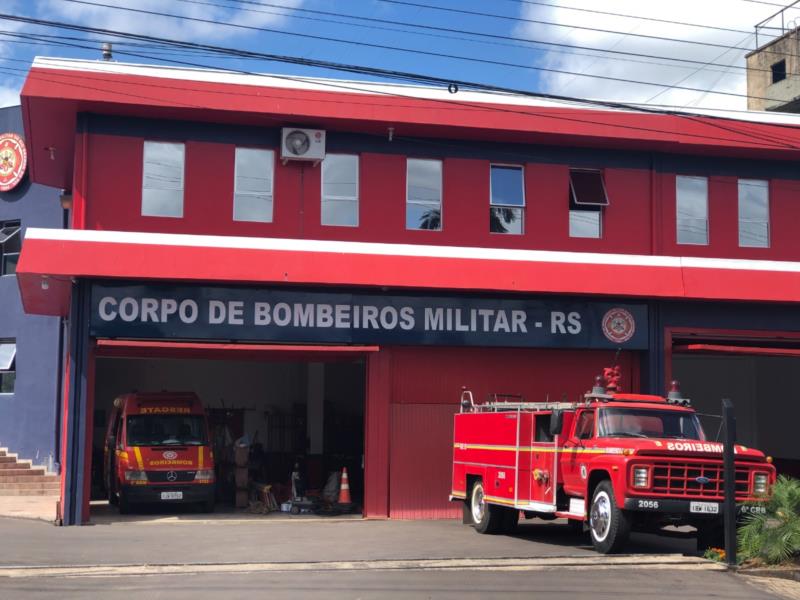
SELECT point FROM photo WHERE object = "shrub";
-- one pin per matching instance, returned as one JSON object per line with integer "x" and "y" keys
{"x": 773, "y": 537}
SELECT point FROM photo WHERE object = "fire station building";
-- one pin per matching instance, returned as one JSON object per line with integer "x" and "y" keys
{"x": 326, "y": 263}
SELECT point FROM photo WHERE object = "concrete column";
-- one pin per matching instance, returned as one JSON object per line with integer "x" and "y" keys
{"x": 315, "y": 407}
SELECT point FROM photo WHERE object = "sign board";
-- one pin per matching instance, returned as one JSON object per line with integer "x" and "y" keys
{"x": 13, "y": 161}
{"x": 287, "y": 316}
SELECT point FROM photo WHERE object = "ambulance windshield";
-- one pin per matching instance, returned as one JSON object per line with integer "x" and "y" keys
{"x": 646, "y": 423}
{"x": 166, "y": 430}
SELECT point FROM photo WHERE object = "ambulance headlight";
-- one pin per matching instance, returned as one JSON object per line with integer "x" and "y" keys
{"x": 760, "y": 483}
{"x": 641, "y": 477}
{"x": 135, "y": 476}
{"x": 204, "y": 475}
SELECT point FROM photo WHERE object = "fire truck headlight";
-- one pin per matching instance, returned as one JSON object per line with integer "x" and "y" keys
{"x": 204, "y": 475}
{"x": 135, "y": 476}
{"x": 760, "y": 482}
{"x": 641, "y": 477}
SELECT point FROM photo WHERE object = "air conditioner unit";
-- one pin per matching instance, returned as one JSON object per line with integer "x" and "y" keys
{"x": 302, "y": 144}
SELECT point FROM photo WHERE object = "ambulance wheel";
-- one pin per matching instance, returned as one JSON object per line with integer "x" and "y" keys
{"x": 486, "y": 518}
{"x": 608, "y": 525}
{"x": 124, "y": 504}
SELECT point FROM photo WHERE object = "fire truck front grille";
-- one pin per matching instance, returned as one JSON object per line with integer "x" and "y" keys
{"x": 696, "y": 480}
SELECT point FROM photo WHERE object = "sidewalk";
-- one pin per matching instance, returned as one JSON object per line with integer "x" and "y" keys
{"x": 42, "y": 508}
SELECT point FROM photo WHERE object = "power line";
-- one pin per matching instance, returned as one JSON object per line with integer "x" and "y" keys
{"x": 770, "y": 140}
{"x": 497, "y": 63}
{"x": 440, "y": 30}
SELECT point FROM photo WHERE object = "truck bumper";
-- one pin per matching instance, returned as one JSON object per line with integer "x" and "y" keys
{"x": 696, "y": 508}
{"x": 169, "y": 494}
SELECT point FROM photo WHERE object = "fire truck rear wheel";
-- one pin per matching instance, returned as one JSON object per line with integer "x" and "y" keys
{"x": 608, "y": 525}
{"x": 486, "y": 518}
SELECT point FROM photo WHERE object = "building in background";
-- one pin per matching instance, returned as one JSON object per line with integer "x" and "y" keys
{"x": 30, "y": 365}
{"x": 326, "y": 264}
{"x": 773, "y": 68}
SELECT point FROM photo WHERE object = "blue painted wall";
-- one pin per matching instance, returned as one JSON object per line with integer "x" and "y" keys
{"x": 28, "y": 417}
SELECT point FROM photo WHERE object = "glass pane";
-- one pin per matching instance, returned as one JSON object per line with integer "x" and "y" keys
{"x": 692, "y": 198}
{"x": 162, "y": 203}
{"x": 7, "y": 381}
{"x": 253, "y": 171}
{"x": 753, "y": 199}
{"x": 252, "y": 207}
{"x": 587, "y": 188}
{"x": 9, "y": 266}
{"x": 425, "y": 181}
{"x": 7, "y": 353}
{"x": 423, "y": 216}
{"x": 339, "y": 212}
{"x": 8, "y": 232}
{"x": 754, "y": 234}
{"x": 507, "y": 186}
{"x": 505, "y": 220}
{"x": 584, "y": 223}
{"x": 163, "y": 165}
{"x": 692, "y": 231}
{"x": 13, "y": 245}
{"x": 340, "y": 176}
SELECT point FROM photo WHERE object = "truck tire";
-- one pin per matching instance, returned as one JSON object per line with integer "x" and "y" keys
{"x": 609, "y": 526}
{"x": 124, "y": 504}
{"x": 486, "y": 518}
{"x": 113, "y": 499}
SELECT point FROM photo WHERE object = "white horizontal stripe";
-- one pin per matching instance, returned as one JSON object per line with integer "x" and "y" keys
{"x": 409, "y": 250}
{"x": 346, "y": 86}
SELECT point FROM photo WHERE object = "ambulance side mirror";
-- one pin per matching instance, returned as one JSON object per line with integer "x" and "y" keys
{"x": 556, "y": 422}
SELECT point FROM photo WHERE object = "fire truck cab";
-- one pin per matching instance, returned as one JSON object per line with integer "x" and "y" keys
{"x": 157, "y": 450}
{"x": 610, "y": 463}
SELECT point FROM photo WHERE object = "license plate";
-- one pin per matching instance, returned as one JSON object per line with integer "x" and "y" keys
{"x": 172, "y": 495}
{"x": 711, "y": 508}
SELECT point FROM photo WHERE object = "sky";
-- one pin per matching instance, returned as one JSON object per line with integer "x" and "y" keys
{"x": 543, "y": 46}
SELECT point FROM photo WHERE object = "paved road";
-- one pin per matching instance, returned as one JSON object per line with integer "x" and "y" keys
{"x": 460, "y": 585}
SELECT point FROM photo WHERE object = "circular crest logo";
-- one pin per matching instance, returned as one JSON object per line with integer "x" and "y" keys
{"x": 170, "y": 455}
{"x": 618, "y": 325}
{"x": 13, "y": 161}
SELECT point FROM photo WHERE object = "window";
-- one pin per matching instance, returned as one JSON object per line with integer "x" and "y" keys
{"x": 424, "y": 194}
{"x": 753, "y": 213}
{"x": 10, "y": 244}
{"x": 340, "y": 190}
{"x": 778, "y": 71}
{"x": 585, "y": 427}
{"x": 162, "y": 180}
{"x": 692, "y": 210}
{"x": 8, "y": 372}
{"x": 252, "y": 185}
{"x": 587, "y": 197}
{"x": 507, "y": 202}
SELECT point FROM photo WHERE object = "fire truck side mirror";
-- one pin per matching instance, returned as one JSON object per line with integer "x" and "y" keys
{"x": 556, "y": 422}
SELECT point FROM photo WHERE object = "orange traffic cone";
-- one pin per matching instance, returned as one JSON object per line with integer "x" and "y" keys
{"x": 344, "y": 489}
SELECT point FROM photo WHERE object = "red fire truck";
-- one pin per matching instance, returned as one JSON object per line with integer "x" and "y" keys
{"x": 157, "y": 449}
{"x": 609, "y": 463}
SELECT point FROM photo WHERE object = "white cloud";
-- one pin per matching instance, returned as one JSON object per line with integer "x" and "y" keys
{"x": 208, "y": 28}
{"x": 731, "y": 14}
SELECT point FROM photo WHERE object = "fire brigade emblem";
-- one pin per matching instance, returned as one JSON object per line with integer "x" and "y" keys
{"x": 170, "y": 455}
{"x": 13, "y": 161}
{"x": 618, "y": 325}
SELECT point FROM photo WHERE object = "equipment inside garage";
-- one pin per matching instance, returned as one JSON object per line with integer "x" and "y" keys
{"x": 271, "y": 423}
{"x": 761, "y": 390}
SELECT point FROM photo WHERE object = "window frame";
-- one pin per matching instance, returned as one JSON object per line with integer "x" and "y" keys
{"x": 707, "y": 217}
{"x": 520, "y": 207}
{"x": 271, "y": 185}
{"x": 740, "y": 220}
{"x": 781, "y": 73}
{"x": 441, "y": 192}
{"x": 587, "y": 207}
{"x": 182, "y": 144}
{"x": 4, "y": 224}
{"x": 12, "y": 369}
{"x": 356, "y": 200}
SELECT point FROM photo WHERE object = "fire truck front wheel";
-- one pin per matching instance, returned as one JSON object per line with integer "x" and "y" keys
{"x": 608, "y": 525}
{"x": 486, "y": 517}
